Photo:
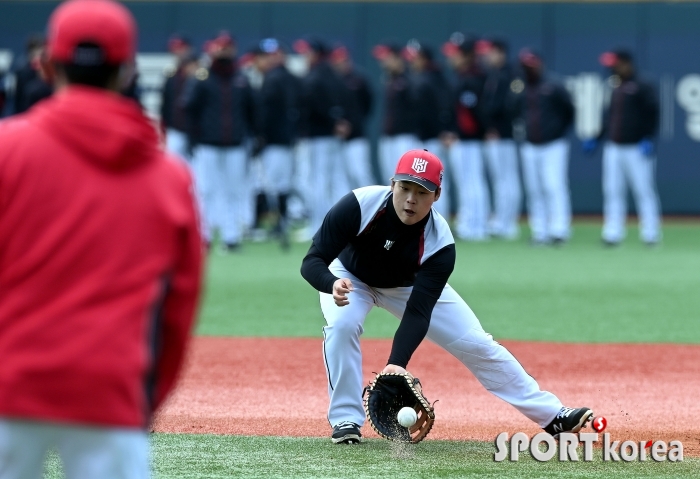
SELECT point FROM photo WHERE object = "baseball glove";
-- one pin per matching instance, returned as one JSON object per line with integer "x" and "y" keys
{"x": 386, "y": 395}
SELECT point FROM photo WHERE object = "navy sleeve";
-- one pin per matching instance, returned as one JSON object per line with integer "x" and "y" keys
{"x": 192, "y": 101}
{"x": 566, "y": 105}
{"x": 651, "y": 110}
{"x": 430, "y": 281}
{"x": 341, "y": 224}
{"x": 165, "y": 105}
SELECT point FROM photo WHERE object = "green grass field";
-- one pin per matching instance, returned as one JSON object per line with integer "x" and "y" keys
{"x": 580, "y": 292}
{"x": 186, "y": 456}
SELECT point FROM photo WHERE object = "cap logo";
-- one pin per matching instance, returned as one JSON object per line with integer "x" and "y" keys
{"x": 419, "y": 165}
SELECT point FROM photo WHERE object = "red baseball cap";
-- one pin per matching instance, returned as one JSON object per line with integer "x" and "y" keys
{"x": 421, "y": 167}
{"x": 105, "y": 23}
{"x": 339, "y": 54}
{"x": 529, "y": 58}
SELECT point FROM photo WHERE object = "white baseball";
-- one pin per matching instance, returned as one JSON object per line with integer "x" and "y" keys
{"x": 407, "y": 416}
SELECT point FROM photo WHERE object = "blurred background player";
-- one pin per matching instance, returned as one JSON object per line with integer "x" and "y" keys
{"x": 95, "y": 316}
{"x": 277, "y": 120}
{"x": 400, "y": 119}
{"x": 433, "y": 107}
{"x": 30, "y": 87}
{"x": 466, "y": 156}
{"x": 548, "y": 112}
{"x": 3, "y": 94}
{"x": 219, "y": 106}
{"x": 358, "y": 100}
{"x": 172, "y": 108}
{"x": 628, "y": 156}
{"x": 501, "y": 151}
{"x": 322, "y": 115}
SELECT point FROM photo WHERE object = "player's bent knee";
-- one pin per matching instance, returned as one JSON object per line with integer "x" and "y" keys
{"x": 346, "y": 327}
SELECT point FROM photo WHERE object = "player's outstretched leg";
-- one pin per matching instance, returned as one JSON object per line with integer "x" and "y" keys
{"x": 455, "y": 328}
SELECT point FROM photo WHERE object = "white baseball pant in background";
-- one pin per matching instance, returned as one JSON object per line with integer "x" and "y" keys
{"x": 502, "y": 162}
{"x": 391, "y": 148}
{"x": 546, "y": 177}
{"x": 357, "y": 163}
{"x": 453, "y": 327}
{"x": 255, "y": 183}
{"x": 86, "y": 452}
{"x": 221, "y": 182}
{"x": 622, "y": 165}
{"x": 467, "y": 162}
{"x": 324, "y": 162}
{"x": 278, "y": 165}
{"x": 176, "y": 142}
{"x": 436, "y": 147}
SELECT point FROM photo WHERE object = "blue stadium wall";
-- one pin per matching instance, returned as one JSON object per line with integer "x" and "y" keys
{"x": 665, "y": 37}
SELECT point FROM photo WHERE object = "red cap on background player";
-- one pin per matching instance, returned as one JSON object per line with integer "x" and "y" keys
{"x": 421, "y": 167}
{"x": 529, "y": 58}
{"x": 107, "y": 24}
{"x": 610, "y": 59}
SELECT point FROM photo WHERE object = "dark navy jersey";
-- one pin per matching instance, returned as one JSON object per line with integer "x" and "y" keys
{"x": 432, "y": 103}
{"x": 469, "y": 120}
{"x": 399, "y": 108}
{"x": 278, "y": 107}
{"x": 547, "y": 109}
{"x": 364, "y": 232}
{"x": 219, "y": 106}
{"x": 498, "y": 101}
{"x": 172, "y": 109}
{"x": 357, "y": 101}
{"x": 633, "y": 113}
{"x": 322, "y": 101}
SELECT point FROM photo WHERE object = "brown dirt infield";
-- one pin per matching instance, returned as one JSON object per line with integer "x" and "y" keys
{"x": 277, "y": 387}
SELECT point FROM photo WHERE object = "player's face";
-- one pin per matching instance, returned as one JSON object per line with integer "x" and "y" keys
{"x": 412, "y": 202}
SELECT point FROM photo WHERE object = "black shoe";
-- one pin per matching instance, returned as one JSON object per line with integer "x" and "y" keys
{"x": 284, "y": 241}
{"x": 346, "y": 433}
{"x": 569, "y": 420}
{"x": 232, "y": 247}
{"x": 538, "y": 242}
{"x": 610, "y": 244}
{"x": 558, "y": 241}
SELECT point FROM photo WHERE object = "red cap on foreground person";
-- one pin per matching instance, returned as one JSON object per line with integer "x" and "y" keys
{"x": 102, "y": 22}
{"x": 101, "y": 258}
{"x": 421, "y": 167}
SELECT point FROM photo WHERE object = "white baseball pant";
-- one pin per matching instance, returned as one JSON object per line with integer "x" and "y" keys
{"x": 472, "y": 191}
{"x": 545, "y": 171}
{"x": 255, "y": 183}
{"x": 357, "y": 165}
{"x": 94, "y": 452}
{"x": 324, "y": 162}
{"x": 622, "y": 165}
{"x": 278, "y": 166}
{"x": 390, "y": 150}
{"x": 221, "y": 182}
{"x": 176, "y": 142}
{"x": 502, "y": 163}
{"x": 302, "y": 165}
{"x": 436, "y": 147}
{"x": 453, "y": 327}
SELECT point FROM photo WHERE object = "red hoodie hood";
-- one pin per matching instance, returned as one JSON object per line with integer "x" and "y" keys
{"x": 101, "y": 126}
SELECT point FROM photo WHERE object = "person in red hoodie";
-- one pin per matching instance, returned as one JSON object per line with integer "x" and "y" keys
{"x": 100, "y": 261}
